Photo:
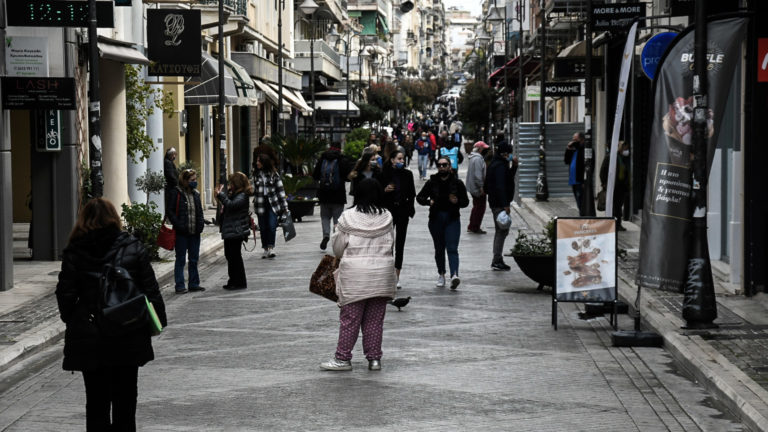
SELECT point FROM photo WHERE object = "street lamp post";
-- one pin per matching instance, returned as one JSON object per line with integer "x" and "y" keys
{"x": 222, "y": 120}
{"x": 588, "y": 200}
{"x": 542, "y": 189}
{"x": 280, "y": 128}
{"x": 495, "y": 19}
{"x": 350, "y": 34}
{"x": 308, "y": 8}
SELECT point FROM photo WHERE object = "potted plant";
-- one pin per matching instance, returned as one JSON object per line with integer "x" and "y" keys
{"x": 298, "y": 204}
{"x": 534, "y": 254}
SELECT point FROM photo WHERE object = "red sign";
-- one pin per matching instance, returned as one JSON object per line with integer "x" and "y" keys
{"x": 762, "y": 60}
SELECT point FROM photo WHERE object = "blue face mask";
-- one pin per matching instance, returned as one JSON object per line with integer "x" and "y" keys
{"x": 193, "y": 184}
{"x": 510, "y": 157}
{"x": 399, "y": 165}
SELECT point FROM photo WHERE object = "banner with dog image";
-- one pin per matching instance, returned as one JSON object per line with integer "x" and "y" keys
{"x": 667, "y": 208}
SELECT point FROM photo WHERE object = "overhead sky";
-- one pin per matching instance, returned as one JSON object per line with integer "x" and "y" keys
{"x": 475, "y": 7}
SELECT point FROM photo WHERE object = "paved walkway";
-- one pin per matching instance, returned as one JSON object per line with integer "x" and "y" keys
{"x": 481, "y": 358}
{"x": 731, "y": 361}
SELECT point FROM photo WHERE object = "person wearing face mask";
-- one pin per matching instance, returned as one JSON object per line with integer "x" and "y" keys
{"x": 423, "y": 149}
{"x": 366, "y": 167}
{"x": 445, "y": 194}
{"x": 235, "y": 226}
{"x": 621, "y": 187}
{"x": 399, "y": 195}
{"x": 475, "y": 179}
{"x": 500, "y": 186}
{"x": 185, "y": 212}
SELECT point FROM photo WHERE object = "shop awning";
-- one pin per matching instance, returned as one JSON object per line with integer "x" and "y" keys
{"x": 244, "y": 85}
{"x": 271, "y": 95}
{"x": 120, "y": 51}
{"x": 336, "y": 107}
{"x": 297, "y": 102}
{"x": 511, "y": 68}
{"x": 204, "y": 89}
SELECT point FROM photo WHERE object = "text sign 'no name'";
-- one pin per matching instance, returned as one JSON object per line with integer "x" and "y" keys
{"x": 57, "y": 13}
{"x": 560, "y": 89}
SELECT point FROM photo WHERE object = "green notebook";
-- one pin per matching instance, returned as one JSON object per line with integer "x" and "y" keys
{"x": 157, "y": 328}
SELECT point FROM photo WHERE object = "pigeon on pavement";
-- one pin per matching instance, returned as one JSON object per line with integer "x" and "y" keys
{"x": 400, "y": 302}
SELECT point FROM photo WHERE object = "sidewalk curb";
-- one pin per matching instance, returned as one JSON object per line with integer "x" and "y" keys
{"x": 740, "y": 394}
{"x": 732, "y": 387}
{"x": 51, "y": 331}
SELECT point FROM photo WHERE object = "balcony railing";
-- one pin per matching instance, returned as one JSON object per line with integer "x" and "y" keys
{"x": 240, "y": 7}
{"x": 301, "y": 47}
{"x": 265, "y": 70}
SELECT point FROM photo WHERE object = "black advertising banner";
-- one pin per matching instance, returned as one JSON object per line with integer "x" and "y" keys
{"x": 617, "y": 16}
{"x": 667, "y": 211}
{"x": 560, "y": 89}
{"x": 174, "y": 42}
{"x": 38, "y": 93}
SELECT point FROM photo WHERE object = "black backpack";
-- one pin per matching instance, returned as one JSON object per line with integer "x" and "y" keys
{"x": 329, "y": 175}
{"x": 122, "y": 308}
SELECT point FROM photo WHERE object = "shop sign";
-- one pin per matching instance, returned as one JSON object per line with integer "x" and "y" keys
{"x": 57, "y": 13}
{"x": 38, "y": 93}
{"x": 560, "y": 89}
{"x": 48, "y": 131}
{"x": 618, "y": 16}
{"x": 576, "y": 67}
{"x": 653, "y": 50}
{"x": 174, "y": 40}
{"x": 762, "y": 60}
{"x": 26, "y": 56}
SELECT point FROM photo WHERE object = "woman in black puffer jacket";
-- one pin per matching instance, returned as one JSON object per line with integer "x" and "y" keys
{"x": 235, "y": 226}
{"x": 109, "y": 363}
{"x": 185, "y": 211}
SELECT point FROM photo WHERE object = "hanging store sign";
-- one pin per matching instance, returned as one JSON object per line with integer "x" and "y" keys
{"x": 26, "y": 56}
{"x": 576, "y": 67}
{"x": 616, "y": 16}
{"x": 174, "y": 40}
{"x": 560, "y": 89}
{"x": 38, "y": 93}
{"x": 653, "y": 50}
{"x": 57, "y": 13}
{"x": 47, "y": 131}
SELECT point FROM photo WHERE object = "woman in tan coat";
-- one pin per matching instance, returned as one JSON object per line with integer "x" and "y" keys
{"x": 365, "y": 280}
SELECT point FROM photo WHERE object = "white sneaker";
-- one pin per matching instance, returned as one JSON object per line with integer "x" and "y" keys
{"x": 398, "y": 284}
{"x": 270, "y": 253}
{"x": 440, "y": 281}
{"x": 265, "y": 254}
{"x": 455, "y": 281}
{"x": 335, "y": 364}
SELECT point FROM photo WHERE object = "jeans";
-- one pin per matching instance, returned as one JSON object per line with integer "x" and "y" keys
{"x": 423, "y": 162}
{"x": 401, "y": 229}
{"x": 478, "y": 211}
{"x": 328, "y": 211}
{"x": 499, "y": 237}
{"x": 235, "y": 267}
{"x": 187, "y": 245}
{"x": 368, "y": 316}
{"x": 578, "y": 190}
{"x": 445, "y": 235}
{"x": 112, "y": 388}
{"x": 267, "y": 227}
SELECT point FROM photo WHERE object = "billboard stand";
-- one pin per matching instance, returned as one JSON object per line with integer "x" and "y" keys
{"x": 585, "y": 263}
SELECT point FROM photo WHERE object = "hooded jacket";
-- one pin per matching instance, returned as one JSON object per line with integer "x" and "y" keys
{"x": 85, "y": 347}
{"x": 475, "y": 173}
{"x": 338, "y": 196}
{"x": 500, "y": 182}
{"x": 364, "y": 242}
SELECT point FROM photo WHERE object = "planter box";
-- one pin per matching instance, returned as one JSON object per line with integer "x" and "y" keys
{"x": 539, "y": 268}
{"x": 301, "y": 208}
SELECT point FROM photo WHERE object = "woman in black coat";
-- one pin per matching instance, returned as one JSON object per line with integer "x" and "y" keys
{"x": 109, "y": 363}
{"x": 366, "y": 167}
{"x": 399, "y": 196}
{"x": 185, "y": 211}
{"x": 235, "y": 226}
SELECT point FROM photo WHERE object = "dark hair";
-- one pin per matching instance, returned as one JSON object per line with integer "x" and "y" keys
{"x": 240, "y": 183}
{"x": 267, "y": 164}
{"x": 580, "y": 134}
{"x": 96, "y": 214}
{"x": 365, "y": 159}
{"x": 446, "y": 158}
{"x": 368, "y": 196}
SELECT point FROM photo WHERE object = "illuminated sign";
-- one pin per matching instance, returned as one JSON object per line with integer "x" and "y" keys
{"x": 49, "y": 13}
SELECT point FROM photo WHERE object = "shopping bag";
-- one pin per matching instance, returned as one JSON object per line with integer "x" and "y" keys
{"x": 322, "y": 282}
{"x": 166, "y": 238}
{"x": 289, "y": 231}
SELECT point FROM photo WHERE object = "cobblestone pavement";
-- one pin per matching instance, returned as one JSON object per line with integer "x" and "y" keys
{"x": 481, "y": 358}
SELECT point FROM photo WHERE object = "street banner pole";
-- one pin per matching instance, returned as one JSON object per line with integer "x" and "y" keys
{"x": 94, "y": 106}
{"x": 626, "y": 65}
{"x": 6, "y": 189}
{"x": 542, "y": 189}
{"x": 588, "y": 198}
{"x": 222, "y": 120}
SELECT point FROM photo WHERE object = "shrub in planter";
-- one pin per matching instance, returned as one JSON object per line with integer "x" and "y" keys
{"x": 143, "y": 222}
{"x": 533, "y": 253}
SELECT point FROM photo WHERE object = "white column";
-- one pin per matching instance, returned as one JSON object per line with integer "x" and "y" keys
{"x": 113, "y": 134}
{"x": 736, "y": 204}
{"x": 155, "y": 132}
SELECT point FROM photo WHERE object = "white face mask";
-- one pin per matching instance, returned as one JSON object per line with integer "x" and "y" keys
{"x": 625, "y": 153}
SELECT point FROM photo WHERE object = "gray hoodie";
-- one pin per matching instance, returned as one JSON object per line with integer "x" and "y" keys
{"x": 475, "y": 173}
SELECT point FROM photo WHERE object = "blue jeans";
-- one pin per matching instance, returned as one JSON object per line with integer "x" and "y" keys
{"x": 578, "y": 191}
{"x": 187, "y": 245}
{"x": 267, "y": 227}
{"x": 423, "y": 164}
{"x": 445, "y": 235}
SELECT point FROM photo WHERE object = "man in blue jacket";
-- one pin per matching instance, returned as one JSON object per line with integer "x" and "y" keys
{"x": 500, "y": 187}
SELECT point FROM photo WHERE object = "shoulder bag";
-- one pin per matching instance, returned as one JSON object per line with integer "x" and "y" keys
{"x": 322, "y": 282}
{"x": 166, "y": 238}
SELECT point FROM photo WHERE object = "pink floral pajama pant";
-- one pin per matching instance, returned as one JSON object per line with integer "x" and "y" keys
{"x": 367, "y": 315}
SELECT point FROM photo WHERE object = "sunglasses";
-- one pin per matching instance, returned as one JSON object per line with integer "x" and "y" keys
{"x": 443, "y": 165}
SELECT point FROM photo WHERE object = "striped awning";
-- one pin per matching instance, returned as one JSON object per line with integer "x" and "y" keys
{"x": 204, "y": 89}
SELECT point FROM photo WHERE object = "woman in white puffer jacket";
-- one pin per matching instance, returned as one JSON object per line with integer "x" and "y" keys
{"x": 365, "y": 279}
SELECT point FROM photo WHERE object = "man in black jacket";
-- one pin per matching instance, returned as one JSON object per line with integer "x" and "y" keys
{"x": 574, "y": 158}
{"x": 500, "y": 187}
{"x": 331, "y": 171}
{"x": 170, "y": 172}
